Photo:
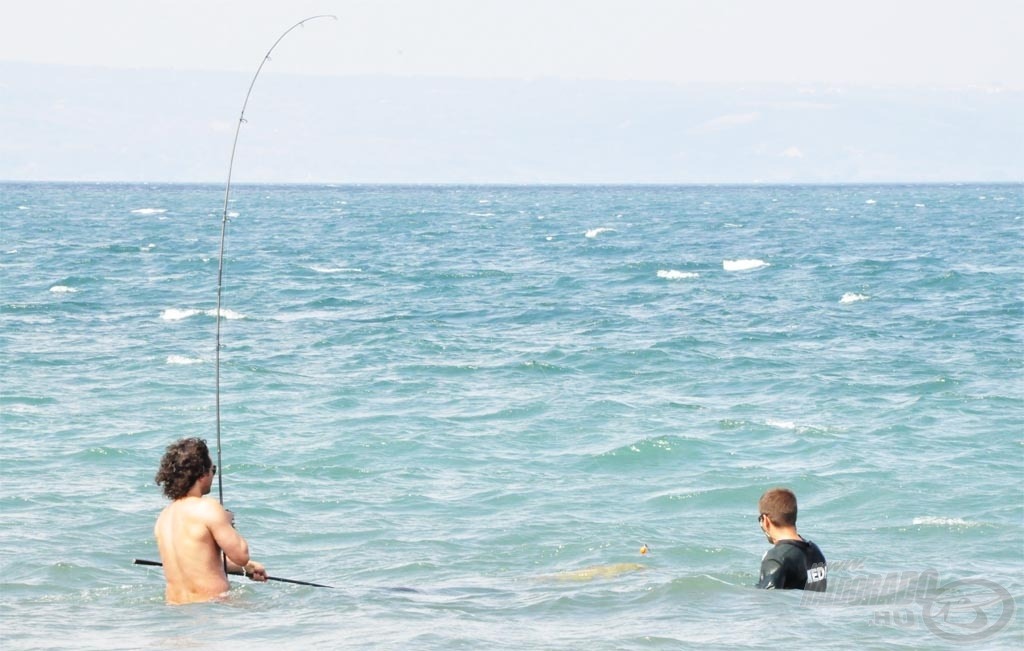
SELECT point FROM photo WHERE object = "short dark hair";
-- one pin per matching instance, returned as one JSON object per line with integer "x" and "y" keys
{"x": 183, "y": 463}
{"x": 779, "y": 504}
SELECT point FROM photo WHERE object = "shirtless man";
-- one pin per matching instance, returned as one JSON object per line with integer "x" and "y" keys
{"x": 191, "y": 532}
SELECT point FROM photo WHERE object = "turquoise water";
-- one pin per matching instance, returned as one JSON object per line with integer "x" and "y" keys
{"x": 478, "y": 392}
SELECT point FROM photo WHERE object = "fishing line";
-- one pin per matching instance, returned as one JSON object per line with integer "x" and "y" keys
{"x": 224, "y": 230}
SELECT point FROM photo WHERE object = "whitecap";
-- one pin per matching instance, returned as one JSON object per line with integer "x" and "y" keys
{"x": 149, "y": 211}
{"x": 481, "y": 214}
{"x": 181, "y": 359}
{"x": 672, "y": 274}
{"x": 781, "y": 424}
{"x": 870, "y": 202}
{"x": 919, "y": 205}
{"x": 851, "y": 297}
{"x": 334, "y": 270}
{"x": 63, "y": 289}
{"x": 174, "y": 314}
{"x": 22, "y": 207}
{"x": 933, "y": 521}
{"x": 594, "y": 232}
{"x": 743, "y": 265}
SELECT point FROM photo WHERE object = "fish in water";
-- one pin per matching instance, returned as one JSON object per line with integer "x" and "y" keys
{"x": 596, "y": 572}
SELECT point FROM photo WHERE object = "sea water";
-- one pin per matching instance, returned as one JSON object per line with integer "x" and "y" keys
{"x": 467, "y": 408}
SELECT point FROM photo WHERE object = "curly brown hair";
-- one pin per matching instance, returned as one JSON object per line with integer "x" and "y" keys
{"x": 183, "y": 463}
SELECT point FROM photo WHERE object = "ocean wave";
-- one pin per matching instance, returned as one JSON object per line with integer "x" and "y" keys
{"x": 181, "y": 359}
{"x": 743, "y": 265}
{"x": 175, "y": 314}
{"x": 933, "y": 521}
{"x": 63, "y": 289}
{"x": 149, "y": 211}
{"x": 672, "y": 274}
{"x": 335, "y": 270}
{"x": 594, "y": 232}
{"x": 851, "y": 297}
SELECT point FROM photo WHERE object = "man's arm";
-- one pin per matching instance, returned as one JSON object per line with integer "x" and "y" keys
{"x": 252, "y": 569}
{"x": 772, "y": 576}
{"x": 220, "y": 523}
{"x": 234, "y": 546}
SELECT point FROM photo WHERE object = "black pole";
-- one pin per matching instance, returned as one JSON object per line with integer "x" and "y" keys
{"x": 142, "y": 561}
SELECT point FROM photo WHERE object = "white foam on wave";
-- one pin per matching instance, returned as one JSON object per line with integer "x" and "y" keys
{"x": 780, "y": 424}
{"x": 743, "y": 265}
{"x": 871, "y": 202}
{"x": 851, "y": 297}
{"x": 594, "y": 232}
{"x": 63, "y": 289}
{"x": 149, "y": 211}
{"x": 175, "y": 314}
{"x": 933, "y": 521}
{"x": 481, "y": 214}
{"x": 335, "y": 270}
{"x": 672, "y": 274}
{"x": 181, "y": 359}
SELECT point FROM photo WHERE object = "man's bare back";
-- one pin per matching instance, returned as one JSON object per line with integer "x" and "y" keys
{"x": 191, "y": 532}
{"x": 191, "y": 557}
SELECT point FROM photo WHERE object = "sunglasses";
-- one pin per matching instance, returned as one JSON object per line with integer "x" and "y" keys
{"x": 213, "y": 469}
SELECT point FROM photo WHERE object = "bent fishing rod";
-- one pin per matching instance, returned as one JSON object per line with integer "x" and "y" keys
{"x": 220, "y": 289}
{"x": 224, "y": 230}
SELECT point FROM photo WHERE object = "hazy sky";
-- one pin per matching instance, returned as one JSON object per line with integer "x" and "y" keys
{"x": 518, "y": 91}
{"x": 864, "y": 42}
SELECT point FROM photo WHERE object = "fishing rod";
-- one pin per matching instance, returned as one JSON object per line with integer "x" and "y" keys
{"x": 142, "y": 561}
{"x": 220, "y": 291}
{"x": 224, "y": 230}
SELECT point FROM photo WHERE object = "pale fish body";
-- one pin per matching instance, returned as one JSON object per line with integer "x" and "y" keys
{"x": 596, "y": 572}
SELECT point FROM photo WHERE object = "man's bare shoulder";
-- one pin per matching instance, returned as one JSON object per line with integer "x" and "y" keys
{"x": 194, "y": 508}
{"x": 204, "y": 507}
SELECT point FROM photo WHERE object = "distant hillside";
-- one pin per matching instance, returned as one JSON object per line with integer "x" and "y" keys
{"x": 68, "y": 123}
